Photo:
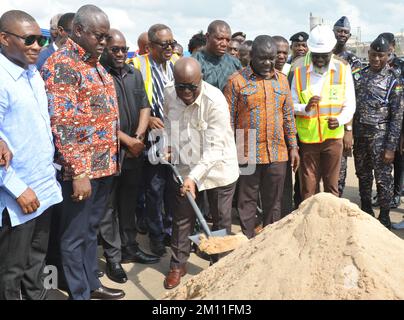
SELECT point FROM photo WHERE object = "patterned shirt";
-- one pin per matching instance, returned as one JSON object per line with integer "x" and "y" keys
{"x": 161, "y": 78}
{"x": 264, "y": 105}
{"x": 217, "y": 70}
{"x": 84, "y": 113}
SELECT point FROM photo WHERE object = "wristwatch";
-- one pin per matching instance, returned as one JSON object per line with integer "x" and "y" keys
{"x": 348, "y": 128}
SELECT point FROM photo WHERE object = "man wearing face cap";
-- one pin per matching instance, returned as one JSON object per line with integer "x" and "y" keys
{"x": 397, "y": 65}
{"x": 342, "y": 31}
{"x": 324, "y": 101}
{"x": 298, "y": 46}
{"x": 377, "y": 124}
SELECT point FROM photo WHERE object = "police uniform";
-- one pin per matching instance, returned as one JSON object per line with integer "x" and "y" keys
{"x": 377, "y": 125}
{"x": 356, "y": 66}
{"x": 397, "y": 65}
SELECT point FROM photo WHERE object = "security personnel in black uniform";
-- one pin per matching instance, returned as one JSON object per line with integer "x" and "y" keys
{"x": 377, "y": 126}
{"x": 398, "y": 65}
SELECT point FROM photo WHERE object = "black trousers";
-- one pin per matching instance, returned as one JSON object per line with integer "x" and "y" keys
{"x": 158, "y": 220}
{"x": 398, "y": 173}
{"x": 220, "y": 204}
{"x": 32, "y": 287}
{"x": 118, "y": 227}
{"x": 77, "y": 226}
{"x": 269, "y": 180}
{"x": 14, "y": 253}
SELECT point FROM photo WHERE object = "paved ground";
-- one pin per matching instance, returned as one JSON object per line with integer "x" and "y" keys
{"x": 146, "y": 281}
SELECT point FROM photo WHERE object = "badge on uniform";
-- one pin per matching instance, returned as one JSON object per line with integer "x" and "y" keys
{"x": 357, "y": 76}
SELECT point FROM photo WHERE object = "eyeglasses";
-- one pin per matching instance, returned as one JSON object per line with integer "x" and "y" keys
{"x": 29, "y": 40}
{"x": 166, "y": 44}
{"x": 117, "y": 49}
{"x": 184, "y": 86}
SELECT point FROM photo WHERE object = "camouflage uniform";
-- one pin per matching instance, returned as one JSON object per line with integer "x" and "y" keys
{"x": 398, "y": 65}
{"x": 356, "y": 66}
{"x": 377, "y": 127}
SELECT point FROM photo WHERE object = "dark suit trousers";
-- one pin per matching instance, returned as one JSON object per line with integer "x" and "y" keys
{"x": 118, "y": 227}
{"x": 32, "y": 287}
{"x": 15, "y": 245}
{"x": 269, "y": 180}
{"x": 220, "y": 205}
{"x": 78, "y": 224}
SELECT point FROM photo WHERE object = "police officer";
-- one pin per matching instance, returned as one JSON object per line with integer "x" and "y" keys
{"x": 298, "y": 46}
{"x": 377, "y": 126}
{"x": 398, "y": 66}
{"x": 342, "y": 31}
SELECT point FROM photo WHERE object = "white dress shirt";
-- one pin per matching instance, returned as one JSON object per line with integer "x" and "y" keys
{"x": 316, "y": 86}
{"x": 201, "y": 137}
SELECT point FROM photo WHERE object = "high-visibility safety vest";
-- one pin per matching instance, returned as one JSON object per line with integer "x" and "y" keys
{"x": 142, "y": 63}
{"x": 313, "y": 127}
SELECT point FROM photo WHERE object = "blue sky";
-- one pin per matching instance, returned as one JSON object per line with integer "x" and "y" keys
{"x": 254, "y": 17}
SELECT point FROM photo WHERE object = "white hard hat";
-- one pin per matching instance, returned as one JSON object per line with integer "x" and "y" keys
{"x": 321, "y": 39}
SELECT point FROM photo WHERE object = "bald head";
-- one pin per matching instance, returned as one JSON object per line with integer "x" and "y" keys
{"x": 187, "y": 67}
{"x": 115, "y": 34}
{"x": 188, "y": 79}
{"x": 143, "y": 43}
{"x": 89, "y": 16}
{"x": 13, "y": 17}
{"x": 218, "y": 24}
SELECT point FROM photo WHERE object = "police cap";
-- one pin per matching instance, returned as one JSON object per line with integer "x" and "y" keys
{"x": 343, "y": 22}
{"x": 388, "y": 36}
{"x": 299, "y": 37}
{"x": 380, "y": 44}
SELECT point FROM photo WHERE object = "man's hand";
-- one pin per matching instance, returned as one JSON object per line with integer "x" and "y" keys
{"x": 81, "y": 189}
{"x": 189, "y": 185}
{"x": 313, "y": 103}
{"x": 348, "y": 142}
{"x": 388, "y": 157}
{"x": 28, "y": 201}
{"x": 294, "y": 158}
{"x": 156, "y": 123}
{"x": 5, "y": 154}
{"x": 135, "y": 147}
{"x": 333, "y": 123}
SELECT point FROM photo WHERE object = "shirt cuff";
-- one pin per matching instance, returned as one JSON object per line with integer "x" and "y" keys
{"x": 197, "y": 173}
{"x": 15, "y": 185}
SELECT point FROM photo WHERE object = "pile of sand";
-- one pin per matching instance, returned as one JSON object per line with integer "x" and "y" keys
{"x": 328, "y": 249}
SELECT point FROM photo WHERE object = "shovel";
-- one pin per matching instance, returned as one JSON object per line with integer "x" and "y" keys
{"x": 213, "y": 241}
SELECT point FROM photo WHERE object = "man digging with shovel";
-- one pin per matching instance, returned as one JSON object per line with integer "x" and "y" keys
{"x": 203, "y": 148}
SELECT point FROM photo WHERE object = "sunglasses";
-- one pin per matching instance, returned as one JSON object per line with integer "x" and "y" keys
{"x": 184, "y": 86}
{"x": 29, "y": 40}
{"x": 165, "y": 45}
{"x": 117, "y": 49}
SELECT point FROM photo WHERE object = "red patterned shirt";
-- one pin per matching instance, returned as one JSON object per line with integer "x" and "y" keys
{"x": 84, "y": 113}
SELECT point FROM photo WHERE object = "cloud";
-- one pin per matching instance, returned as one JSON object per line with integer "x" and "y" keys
{"x": 254, "y": 17}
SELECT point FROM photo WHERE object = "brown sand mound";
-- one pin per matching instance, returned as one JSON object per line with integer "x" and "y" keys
{"x": 214, "y": 245}
{"x": 327, "y": 249}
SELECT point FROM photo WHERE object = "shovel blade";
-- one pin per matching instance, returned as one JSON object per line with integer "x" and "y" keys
{"x": 218, "y": 233}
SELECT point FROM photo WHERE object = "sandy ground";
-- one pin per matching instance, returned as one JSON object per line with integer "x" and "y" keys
{"x": 145, "y": 282}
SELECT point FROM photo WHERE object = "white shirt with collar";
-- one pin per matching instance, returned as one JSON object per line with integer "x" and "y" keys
{"x": 316, "y": 85}
{"x": 203, "y": 135}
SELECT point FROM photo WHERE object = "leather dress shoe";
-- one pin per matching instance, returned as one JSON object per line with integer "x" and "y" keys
{"x": 115, "y": 272}
{"x": 158, "y": 248}
{"x": 100, "y": 273}
{"x": 104, "y": 293}
{"x": 173, "y": 277}
{"x": 139, "y": 256}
